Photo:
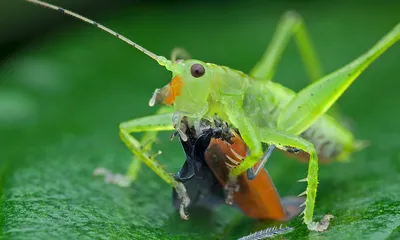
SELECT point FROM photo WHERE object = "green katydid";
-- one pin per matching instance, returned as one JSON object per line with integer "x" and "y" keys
{"x": 262, "y": 110}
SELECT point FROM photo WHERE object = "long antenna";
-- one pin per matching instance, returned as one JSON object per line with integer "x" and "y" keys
{"x": 159, "y": 59}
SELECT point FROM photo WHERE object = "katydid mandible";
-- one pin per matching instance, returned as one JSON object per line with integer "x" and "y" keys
{"x": 262, "y": 110}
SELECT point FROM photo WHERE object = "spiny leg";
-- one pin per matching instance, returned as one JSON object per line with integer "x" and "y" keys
{"x": 291, "y": 25}
{"x": 153, "y": 124}
{"x": 313, "y": 101}
{"x": 283, "y": 140}
{"x": 149, "y": 124}
{"x": 248, "y": 132}
{"x": 233, "y": 109}
{"x": 147, "y": 140}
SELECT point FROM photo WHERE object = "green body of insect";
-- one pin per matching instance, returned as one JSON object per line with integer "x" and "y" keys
{"x": 262, "y": 110}
{"x": 263, "y": 103}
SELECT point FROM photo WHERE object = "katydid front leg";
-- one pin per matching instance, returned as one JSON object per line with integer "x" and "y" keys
{"x": 290, "y": 26}
{"x": 233, "y": 108}
{"x": 151, "y": 125}
{"x": 155, "y": 123}
{"x": 147, "y": 140}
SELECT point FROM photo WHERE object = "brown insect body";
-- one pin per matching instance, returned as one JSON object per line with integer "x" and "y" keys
{"x": 257, "y": 198}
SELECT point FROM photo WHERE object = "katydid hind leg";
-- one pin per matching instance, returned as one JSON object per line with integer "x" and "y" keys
{"x": 291, "y": 25}
{"x": 314, "y": 100}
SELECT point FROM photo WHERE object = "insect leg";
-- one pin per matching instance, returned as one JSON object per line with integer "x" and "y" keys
{"x": 291, "y": 25}
{"x": 150, "y": 125}
{"x": 281, "y": 140}
{"x": 314, "y": 100}
{"x": 147, "y": 140}
{"x": 234, "y": 110}
{"x": 153, "y": 124}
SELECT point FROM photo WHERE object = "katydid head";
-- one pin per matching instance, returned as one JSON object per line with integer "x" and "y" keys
{"x": 189, "y": 88}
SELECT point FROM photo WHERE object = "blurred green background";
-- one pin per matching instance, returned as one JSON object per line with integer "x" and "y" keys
{"x": 65, "y": 86}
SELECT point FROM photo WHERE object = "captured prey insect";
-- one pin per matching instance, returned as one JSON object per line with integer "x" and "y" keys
{"x": 262, "y": 110}
{"x": 209, "y": 158}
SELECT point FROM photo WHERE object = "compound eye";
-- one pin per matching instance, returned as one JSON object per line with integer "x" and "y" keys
{"x": 197, "y": 70}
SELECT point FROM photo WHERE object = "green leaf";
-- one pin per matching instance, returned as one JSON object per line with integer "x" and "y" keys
{"x": 63, "y": 96}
